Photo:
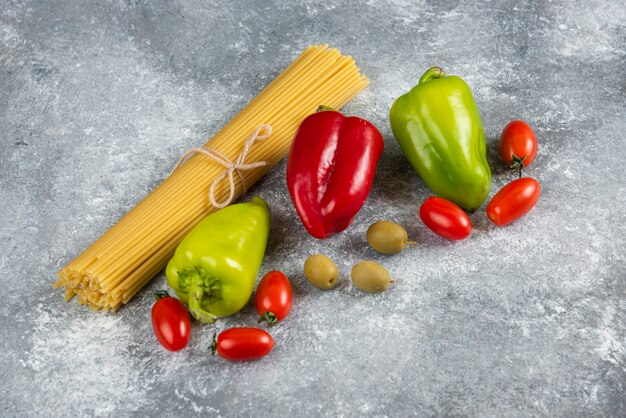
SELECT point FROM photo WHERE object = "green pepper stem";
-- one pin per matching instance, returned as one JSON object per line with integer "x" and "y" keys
{"x": 432, "y": 73}
{"x": 324, "y": 108}
{"x": 195, "y": 305}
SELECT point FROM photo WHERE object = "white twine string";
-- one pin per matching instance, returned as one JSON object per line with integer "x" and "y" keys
{"x": 230, "y": 167}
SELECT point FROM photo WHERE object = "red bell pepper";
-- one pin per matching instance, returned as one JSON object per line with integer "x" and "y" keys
{"x": 330, "y": 169}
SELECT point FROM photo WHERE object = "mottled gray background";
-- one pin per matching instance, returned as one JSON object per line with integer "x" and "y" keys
{"x": 99, "y": 99}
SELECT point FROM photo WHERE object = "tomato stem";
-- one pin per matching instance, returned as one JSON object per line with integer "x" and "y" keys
{"x": 161, "y": 294}
{"x": 517, "y": 164}
{"x": 213, "y": 345}
{"x": 269, "y": 317}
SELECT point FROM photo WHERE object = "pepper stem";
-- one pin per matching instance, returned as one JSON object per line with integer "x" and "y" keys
{"x": 161, "y": 294}
{"x": 324, "y": 108}
{"x": 432, "y": 73}
{"x": 269, "y": 317}
{"x": 195, "y": 305}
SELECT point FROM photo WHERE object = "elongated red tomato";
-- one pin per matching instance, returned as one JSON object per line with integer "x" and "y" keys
{"x": 273, "y": 297}
{"x": 445, "y": 218}
{"x": 242, "y": 344}
{"x": 518, "y": 145}
{"x": 170, "y": 322}
{"x": 513, "y": 201}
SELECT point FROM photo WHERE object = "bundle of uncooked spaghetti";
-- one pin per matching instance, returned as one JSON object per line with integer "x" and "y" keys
{"x": 114, "y": 268}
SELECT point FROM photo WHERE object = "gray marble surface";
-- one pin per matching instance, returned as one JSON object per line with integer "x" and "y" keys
{"x": 99, "y": 99}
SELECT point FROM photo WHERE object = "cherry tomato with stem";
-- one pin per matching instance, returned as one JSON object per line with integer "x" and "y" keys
{"x": 274, "y": 297}
{"x": 445, "y": 218}
{"x": 170, "y": 322}
{"x": 518, "y": 145}
{"x": 513, "y": 201}
{"x": 240, "y": 344}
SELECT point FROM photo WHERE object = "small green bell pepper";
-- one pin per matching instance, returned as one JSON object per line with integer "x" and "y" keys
{"x": 439, "y": 129}
{"x": 215, "y": 266}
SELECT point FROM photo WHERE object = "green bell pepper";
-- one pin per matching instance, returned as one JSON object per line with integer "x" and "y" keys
{"x": 439, "y": 129}
{"x": 215, "y": 266}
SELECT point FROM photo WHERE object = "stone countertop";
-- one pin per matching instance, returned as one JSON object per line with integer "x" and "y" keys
{"x": 99, "y": 99}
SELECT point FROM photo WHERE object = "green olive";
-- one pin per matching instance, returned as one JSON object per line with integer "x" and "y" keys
{"x": 370, "y": 277}
{"x": 321, "y": 271}
{"x": 387, "y": 237}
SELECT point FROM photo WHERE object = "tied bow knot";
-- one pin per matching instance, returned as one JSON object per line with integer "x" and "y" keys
{"x": 230, "y": 167}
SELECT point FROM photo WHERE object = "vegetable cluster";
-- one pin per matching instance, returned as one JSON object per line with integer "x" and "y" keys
{"x": 330, "y": 170}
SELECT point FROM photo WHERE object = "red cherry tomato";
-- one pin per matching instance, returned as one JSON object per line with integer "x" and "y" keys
{"x": 513, "y": 201}
{"x": 273, "y": 297}
{"x": 170, "y": 321}
{"x": 242, "y": 344}
{"x": 445, "y": 218}
{"x": 518, "y": 145}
